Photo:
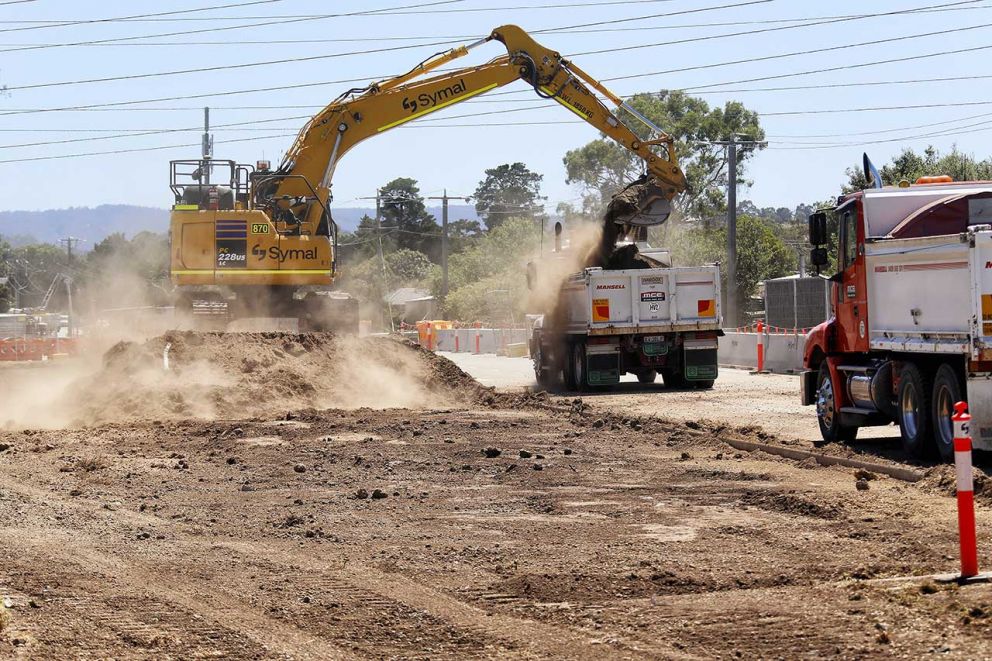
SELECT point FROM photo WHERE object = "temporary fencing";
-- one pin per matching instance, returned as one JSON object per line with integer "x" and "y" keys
{"x": 37, "y": 348}
{"x": 780, "y": 349}
{"x": 472, "y": 338}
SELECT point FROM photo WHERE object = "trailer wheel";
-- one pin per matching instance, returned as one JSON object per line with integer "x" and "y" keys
{"x": 914, "y": 412}
{"x": 827, "y": 413}
{"x": 567, "y": 370}
{"x": 648, "y": 376}
{"x": 674, "y": 378}
{"x": 579, "y": 366}
{"x": 946, "y": 392}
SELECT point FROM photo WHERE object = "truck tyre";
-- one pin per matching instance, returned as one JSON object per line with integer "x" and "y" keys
{"x": 542, "y": 372}
{"x": 648, "y": 376}
{"x": 827, "y": 413}
{"x": 946, "y": 392}
{"x": 567, "y": 363}
{"x": 914, "y": 412}
{"x": 579, "y": 366}
{"x": 704, "y": 385}
{"x": 674, "y": 379}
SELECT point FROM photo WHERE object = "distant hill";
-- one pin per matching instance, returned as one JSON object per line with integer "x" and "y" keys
{"x": 95, "y": 224}
{"x": 90, "y": 224}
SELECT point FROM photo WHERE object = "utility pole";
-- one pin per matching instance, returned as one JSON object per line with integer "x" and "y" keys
{"x": 208, "y": 146}
{"x": 382, "y": 258}
{"x": 444, "y": 238}
{"x": 67, "y": 278}
{"x": 732, "y": 313}
{"x": 68, "y": 241}
{"x": 732, "y": 318}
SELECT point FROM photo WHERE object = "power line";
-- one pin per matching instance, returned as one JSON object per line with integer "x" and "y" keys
{"x": 366, "y": 12}
{"x": 845, "y": 67}
{"x": 102, "y": 107}
{"x": 90, "y": 21}
{"x": 377, "y": 12}
{"x": 813, "y": 51}
{"x": 140, "y": 149}
{"x": 228, "y": 67}
{"x": 776, "y": 29}
{"x": 682, "y": 26}
{"x": 156, "y": 18}
{"x": 149, "y": 132}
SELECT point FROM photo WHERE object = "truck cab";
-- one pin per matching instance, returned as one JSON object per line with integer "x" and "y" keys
{"x": 906, "y": 340}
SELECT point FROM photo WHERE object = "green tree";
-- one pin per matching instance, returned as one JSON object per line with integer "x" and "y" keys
{"x": 603, "y": 167}
{"x": 488, "y": 280}
{"x": 910, "y": 166}
{"x": 463, "y": 233}
{"x": 30, "y": 270}
{"x": 761, "y": 252}
{"x": 121, "y": 272}
{"x": 6, "y": 291}
{"x": 508, "y": 191}
{"x": 405, "y": 214}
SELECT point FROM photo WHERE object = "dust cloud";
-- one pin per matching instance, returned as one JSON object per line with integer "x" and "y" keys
{"x": 552, "y": 270}
{"x": 207, "y": 376}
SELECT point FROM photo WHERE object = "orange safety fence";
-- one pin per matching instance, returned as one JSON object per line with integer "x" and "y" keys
{"x": 772, "y": 330}
{"x": 39, "y": 348}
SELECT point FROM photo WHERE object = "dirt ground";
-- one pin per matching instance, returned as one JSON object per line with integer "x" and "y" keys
{"x": 471, "y": 524}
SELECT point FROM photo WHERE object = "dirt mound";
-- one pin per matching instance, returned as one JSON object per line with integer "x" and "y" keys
{"x": 942, "y": 480}
{"x": 224, "y": 375}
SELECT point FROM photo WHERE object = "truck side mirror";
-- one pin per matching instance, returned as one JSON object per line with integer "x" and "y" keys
{"x": 818, "y": 228}
{"x": 818, "y": 257}
{"x": 531, "y": 275}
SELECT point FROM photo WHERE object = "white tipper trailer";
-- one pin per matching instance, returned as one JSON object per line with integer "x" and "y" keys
{"x": 933, "y": 295}
{"x": 645, "y": 322}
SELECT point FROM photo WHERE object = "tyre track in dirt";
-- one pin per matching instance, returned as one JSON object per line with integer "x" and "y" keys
{"x": 160, "y": 593}
{"x": 360, "y": 587}
{"x": 524, "y": 635}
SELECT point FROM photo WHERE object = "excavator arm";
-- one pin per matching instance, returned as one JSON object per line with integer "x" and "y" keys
{"x": 299, "y": 190}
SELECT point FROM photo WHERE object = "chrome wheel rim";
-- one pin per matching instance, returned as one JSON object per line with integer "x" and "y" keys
{"x": 945, "y": 408}
{"x": 910, "y": 414}
{"x": 825, "y": 402}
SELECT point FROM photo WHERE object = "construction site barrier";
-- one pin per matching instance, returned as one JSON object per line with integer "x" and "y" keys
{"x": 30, "y": 349}
{"x": 966, "y": 490}
{"x": 500, "y": 341}
{"x": 781, "y": 353}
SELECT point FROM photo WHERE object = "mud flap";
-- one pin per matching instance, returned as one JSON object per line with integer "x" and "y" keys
{"x": 699, "y": 364}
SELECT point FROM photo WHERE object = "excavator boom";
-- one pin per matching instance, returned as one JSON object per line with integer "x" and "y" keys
{"x": 361, "y": 114}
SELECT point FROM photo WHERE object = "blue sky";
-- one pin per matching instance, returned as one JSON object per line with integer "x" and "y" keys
{"x": 790, "y": 171}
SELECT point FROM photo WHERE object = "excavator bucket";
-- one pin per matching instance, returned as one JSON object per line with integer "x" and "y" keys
{"x": 641, "y": 204}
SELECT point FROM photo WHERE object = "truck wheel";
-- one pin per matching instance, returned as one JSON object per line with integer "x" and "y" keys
{"x": 648, "y": 376}
{"x": 579, "y": 366}
{"x": 946, "y": 392}
{"x": 914, "y": 412}
{"x": 545, "y": 373}
{"x": 704, "y": 385}
{"x": 567, "y": 371}
{"x": 674, "y": 378}
{"x": 827, "y": 413}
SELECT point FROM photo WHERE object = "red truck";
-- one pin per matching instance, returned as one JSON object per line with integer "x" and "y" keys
{"x": 911, "y": 332}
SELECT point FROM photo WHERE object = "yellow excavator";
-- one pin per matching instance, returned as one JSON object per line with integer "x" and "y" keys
{"x": 261, "y": 242}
